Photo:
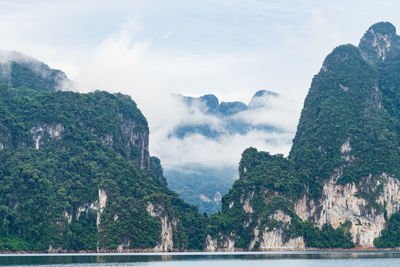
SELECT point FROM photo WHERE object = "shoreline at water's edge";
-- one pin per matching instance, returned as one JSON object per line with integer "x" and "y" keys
{"x": 152, "y": 251}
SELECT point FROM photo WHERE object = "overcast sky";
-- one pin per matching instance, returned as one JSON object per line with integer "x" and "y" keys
{"x": 149, "y": 49}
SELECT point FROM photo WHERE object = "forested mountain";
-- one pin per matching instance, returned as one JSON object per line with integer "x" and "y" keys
{"x": 339, "y": 186}
{"x": 76, "y": 173}
{"x": 202, "y": 185}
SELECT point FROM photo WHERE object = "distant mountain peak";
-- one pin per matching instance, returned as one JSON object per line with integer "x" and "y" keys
{"x": 260, "y": 98}
{"x": 211, "y": 102}
{"x": 385, "y": 28}
{"x": 211, "y": 105}
{"x": 231, "y": 108}
{"x": 264, "y": 92}
{"x": 379, "y": 43}
{"x": 226, "y": 112}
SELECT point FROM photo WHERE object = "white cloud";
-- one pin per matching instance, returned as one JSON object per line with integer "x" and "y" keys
{"x": 226, "y": 151}
{"x": 278, "y": 111}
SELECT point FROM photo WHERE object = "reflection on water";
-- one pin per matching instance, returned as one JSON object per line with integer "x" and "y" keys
{"x": 309, "y": 258}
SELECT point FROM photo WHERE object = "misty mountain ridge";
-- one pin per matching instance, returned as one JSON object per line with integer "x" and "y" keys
{"x": 209, "y": 103}
{"x": 227, "y": 113}
{"x": 20, "y": 71}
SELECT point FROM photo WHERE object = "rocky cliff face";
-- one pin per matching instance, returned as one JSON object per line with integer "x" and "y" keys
{"x": 220, "y": 243}
{"x": 53, "y": 132}
{"x": 166, "y": 244}
{"x": 379, "y": 43}
{"x": 341, "y": 203}
{"x": 136, "y": 138}
{"x": 133, "y": 137}
{"x": 273, "y": 238}
{"x": 102, "y": 202}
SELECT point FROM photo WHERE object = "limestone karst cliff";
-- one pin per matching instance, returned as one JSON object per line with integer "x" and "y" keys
{"x": 339, "y": 185}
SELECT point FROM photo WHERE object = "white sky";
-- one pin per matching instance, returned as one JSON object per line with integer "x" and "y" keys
{"x": 149, "y": 49}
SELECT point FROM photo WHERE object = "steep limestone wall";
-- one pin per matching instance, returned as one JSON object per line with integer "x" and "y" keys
{"x": 166, "y": 241}
{"x": 273, "y": 239}
{"x": 134, "y": 135}
{"x": 221, "y": 244}
{"x": 54, "y": 132}
{"x": 102, "y": 204}
{"x": 341, "y": 202}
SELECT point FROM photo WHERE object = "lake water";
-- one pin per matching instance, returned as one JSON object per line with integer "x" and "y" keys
{"x": 275, "y": 259}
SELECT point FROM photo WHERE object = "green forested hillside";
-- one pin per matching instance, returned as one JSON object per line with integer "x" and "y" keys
{"x": 58, "y": 150}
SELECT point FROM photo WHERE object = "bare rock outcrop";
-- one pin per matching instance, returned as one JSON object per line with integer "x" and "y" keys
{"x": 53, "y": 131}
{"x": 340, "y": 203}
{"x": 166, "y": 241}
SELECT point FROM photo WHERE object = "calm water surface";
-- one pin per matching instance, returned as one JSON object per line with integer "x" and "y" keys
{"x": 276, "y": 259}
